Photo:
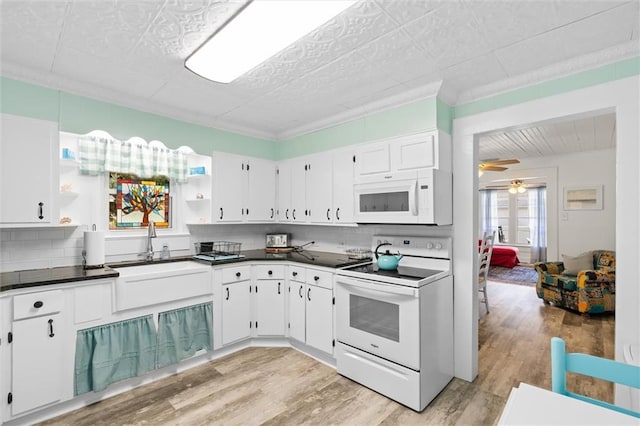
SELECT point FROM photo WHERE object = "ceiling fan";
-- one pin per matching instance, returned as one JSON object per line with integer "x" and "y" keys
{"x": 514, "y": 185}
{"x": 495, "y": 165}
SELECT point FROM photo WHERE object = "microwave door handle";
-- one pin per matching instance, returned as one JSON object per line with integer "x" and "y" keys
{"x": 413, "y": 199}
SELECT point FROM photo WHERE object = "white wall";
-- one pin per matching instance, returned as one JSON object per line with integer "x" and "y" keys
{"x": 620, "y": 96}
{"x": 571, "y": 231}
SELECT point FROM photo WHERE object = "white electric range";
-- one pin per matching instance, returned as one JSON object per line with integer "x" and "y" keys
{"x": 395, "y": 328}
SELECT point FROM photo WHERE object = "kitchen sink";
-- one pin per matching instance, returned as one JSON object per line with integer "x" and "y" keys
{"x": 156, "y": 283}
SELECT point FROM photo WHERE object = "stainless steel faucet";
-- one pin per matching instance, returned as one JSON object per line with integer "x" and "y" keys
{"x": 151, "y": 233}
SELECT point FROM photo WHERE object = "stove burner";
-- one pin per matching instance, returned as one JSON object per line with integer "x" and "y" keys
{"x": 403, "y": 272}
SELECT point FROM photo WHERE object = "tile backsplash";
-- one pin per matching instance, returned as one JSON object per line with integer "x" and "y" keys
{"x": 22, "y": 249}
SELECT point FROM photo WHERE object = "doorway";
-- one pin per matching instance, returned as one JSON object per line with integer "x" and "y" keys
{"x": 619, "y": 96}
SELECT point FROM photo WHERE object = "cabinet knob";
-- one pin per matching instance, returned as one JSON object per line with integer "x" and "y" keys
{"x": 294, "y": 273}
{"x": 270, "y": 272}
{"x": 38, "y": 304}
{"x": 316, "y": 278}
{"x": 238, "y": 274}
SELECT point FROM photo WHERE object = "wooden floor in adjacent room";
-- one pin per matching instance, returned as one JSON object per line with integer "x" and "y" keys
{"x": 281, "y": 386}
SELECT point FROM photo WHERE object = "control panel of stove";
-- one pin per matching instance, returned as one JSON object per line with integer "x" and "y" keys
{"x": 439, "y": 247}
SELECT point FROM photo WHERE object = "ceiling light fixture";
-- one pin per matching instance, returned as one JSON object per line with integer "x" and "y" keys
{"x": 517, "y": 186}
{"x": 260, "y": 30}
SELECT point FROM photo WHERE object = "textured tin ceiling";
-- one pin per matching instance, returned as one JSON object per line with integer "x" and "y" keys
{"x": 131, "y": 52}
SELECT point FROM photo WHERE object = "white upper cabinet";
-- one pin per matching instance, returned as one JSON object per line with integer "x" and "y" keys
{"x": 284, "y": 191}
{"x": 405, "y": 153}
{"x": 414, "y": 152}
{"x": 244, "y": 189}
{"x": 299, "y": 211}
{"x": 230, "y": 183}
{"x": 28, "y": 171}
{"x": 373, "y": 158}
{"x": 261, "y": 196}
{"x": 319, "y": 188}
{"x": 343, "y": 169}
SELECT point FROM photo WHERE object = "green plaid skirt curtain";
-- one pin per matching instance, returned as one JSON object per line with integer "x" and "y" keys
{"x": 99, "y": 154}
{"x": 129, "y": 348}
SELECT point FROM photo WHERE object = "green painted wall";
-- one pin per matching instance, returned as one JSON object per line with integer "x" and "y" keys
{"x": 406, "y": 119}
{"x": 592, "y": 77}
{"x": 79, "y": 114}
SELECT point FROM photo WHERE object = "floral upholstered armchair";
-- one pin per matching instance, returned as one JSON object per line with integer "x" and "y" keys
{"x": 590, "y": 290}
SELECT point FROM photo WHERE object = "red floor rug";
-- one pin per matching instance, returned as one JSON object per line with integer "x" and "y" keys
{"x": 522, "y": 275}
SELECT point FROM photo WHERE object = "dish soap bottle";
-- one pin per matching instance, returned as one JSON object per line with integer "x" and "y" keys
{"x": 165, "y": 251}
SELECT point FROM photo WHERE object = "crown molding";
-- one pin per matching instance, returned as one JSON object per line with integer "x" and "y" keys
{"x": 409, "y": 96}
{"x": 61, "y": 83}
{"x": 551, "y": 72}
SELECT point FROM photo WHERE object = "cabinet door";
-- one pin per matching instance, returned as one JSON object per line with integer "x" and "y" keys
{"x": 284, "y": 191}
{"x": 299, "y": 211}
{"x": 261, "y": 197}
{"x": 37, "y": 359}
{"x": 236, "y": 312}
{"x": 28, "y": 178}
{"x": 343, "y": 166}
{"x": 319, "y": 318}
{"x": 373, "y": 158}
{"x": 269, "y": 299}
{"x": 413, "y": 152}
{"x": 319, "y": 188}
{"x": 297, "y": 293}
{"x": 230, "y": 183}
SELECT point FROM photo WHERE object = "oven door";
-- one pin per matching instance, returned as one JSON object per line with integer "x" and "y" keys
{"x": 379, "y": 318}
{"x": 386, "y": 201}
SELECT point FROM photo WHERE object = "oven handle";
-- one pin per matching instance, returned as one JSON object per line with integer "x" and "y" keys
{"x": 365, "y": 287}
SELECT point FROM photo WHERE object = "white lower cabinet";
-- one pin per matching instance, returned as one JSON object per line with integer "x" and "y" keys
{"x": 297, "y": 311}
{"x": 37, "y": 348}
{"x": 269, "y": 300}
{"x": 311, "y": 308}
{"x": 236, "y": 311}
{"x": 319, "y": 313}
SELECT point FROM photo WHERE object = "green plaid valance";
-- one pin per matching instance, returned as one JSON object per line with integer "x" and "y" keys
{"x": 99, "y": 154}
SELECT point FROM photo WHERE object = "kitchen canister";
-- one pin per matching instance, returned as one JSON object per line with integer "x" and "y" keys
{"x": 93, "y": 253}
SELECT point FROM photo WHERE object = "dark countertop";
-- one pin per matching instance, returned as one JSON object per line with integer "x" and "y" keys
{"x": 42, "y": 277}
{"x": 308, "y": 257}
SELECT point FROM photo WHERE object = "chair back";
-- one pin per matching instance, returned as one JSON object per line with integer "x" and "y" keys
{"x": 486, "y": 249}
{"x": 589, "y": 365}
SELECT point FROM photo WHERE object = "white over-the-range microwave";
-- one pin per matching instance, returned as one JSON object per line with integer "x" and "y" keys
{"x": 408, "y": 197}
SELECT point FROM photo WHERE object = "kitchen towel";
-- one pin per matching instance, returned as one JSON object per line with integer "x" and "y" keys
{"x": 94, "y": 248}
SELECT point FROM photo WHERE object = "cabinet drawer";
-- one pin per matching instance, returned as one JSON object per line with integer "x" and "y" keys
{"x": 235, "y": 274}
{"x": 296, "y": 273}
{"x": 36, "y": 304}
{"x": 320, "y": 278}
{"x": 267, "y": 272}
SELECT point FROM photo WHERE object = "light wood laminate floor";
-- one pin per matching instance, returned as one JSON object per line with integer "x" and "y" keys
{"x": 281, "y": 386}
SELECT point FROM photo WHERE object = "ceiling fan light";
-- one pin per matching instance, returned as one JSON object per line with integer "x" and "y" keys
{"x": 259, "y": 31}
{"x": 512, "y": 190}
{"x": 521, "y": 189}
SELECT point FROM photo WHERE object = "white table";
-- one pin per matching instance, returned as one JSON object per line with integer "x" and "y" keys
{"x": 530, "y": 405}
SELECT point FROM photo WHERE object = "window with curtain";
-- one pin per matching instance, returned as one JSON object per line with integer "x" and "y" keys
{"x": 139, "y": 174}
{"x": 522, "y": 216}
